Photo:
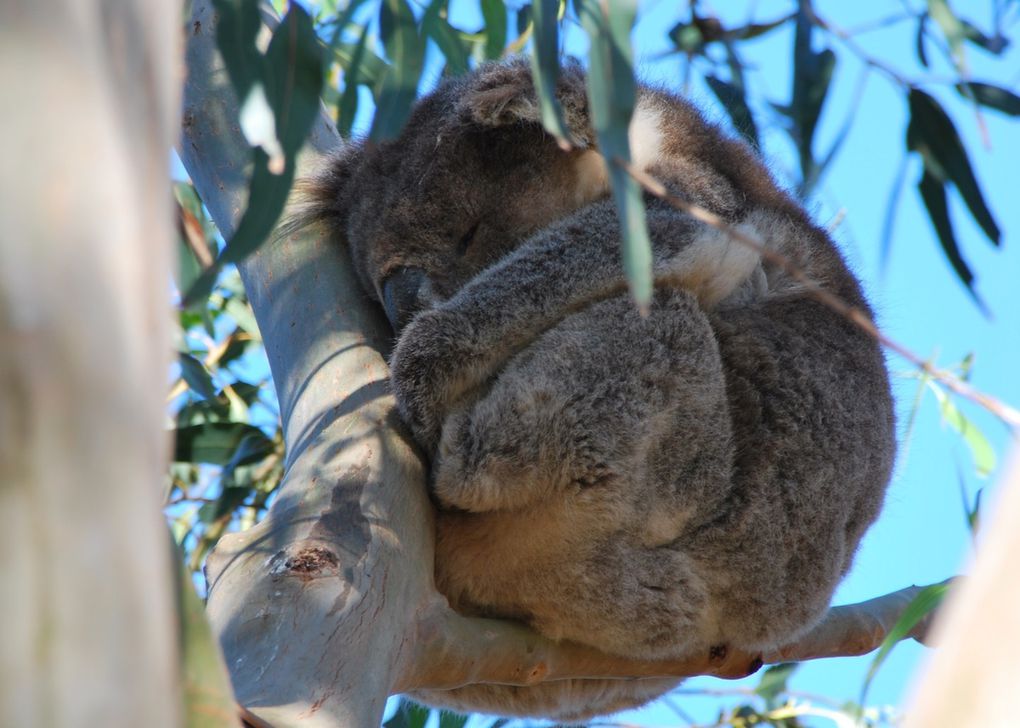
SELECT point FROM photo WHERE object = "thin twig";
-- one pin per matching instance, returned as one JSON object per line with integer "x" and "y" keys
{"x": 1009, "y": 415}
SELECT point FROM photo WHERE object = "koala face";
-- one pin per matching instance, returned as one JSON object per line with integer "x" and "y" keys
{"x": 469, "y": 179}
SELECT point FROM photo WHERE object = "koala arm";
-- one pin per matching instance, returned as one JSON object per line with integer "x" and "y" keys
{"x": 449, "y": 351}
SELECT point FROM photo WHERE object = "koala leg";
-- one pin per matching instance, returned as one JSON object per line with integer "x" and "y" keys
{"x": 607, "y": 405}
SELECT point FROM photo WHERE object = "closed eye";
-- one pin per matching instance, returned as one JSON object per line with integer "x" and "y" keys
{"x": 466, "y": 239}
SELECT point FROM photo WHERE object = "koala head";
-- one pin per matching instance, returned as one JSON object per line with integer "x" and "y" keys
{"x": 471, "y": 176}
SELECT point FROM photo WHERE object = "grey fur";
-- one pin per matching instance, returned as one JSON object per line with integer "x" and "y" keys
{"x": 651, "y": 486}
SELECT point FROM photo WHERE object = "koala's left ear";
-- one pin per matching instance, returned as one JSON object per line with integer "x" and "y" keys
{"x": 504, "y": 93}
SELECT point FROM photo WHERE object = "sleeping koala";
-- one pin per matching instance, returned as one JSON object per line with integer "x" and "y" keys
{"x": 650, "y": 485}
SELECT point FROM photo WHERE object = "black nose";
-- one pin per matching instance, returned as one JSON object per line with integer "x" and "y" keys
{"x": 402, "y": 295}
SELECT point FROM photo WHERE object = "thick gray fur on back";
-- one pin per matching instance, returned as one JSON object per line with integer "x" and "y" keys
{"x": 652, "y": 486}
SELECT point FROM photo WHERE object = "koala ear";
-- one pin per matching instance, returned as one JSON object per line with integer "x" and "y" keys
{"x": 504, "y": 93}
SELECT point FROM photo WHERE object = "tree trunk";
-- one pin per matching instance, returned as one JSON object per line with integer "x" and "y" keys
{"x": 86, "y": 617}
{"x": 313, "y": 606}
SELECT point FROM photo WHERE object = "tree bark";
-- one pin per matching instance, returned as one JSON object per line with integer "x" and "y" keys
{"x": 86, "y": 618}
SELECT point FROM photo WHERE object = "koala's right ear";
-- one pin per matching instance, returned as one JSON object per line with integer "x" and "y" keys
{"x": 324, "y": 197}
{"x": 504, "y": 93}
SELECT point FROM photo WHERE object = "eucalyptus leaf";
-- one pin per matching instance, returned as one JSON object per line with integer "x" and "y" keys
{"x": 217, "y": 443}
{"x": 612, "y": 93}
{"x": 347, "y": 106}
{"x": 197, "y": 376}
{"x": 933, "y": 194}
{"x": 812, "y": 74}
{"x": 408, "y": 715}
{"x": 545, "y": 68}
{"x": 981, "y": 449}
{"x": 994, "y": 97}
{"x": 405, "y": 49}
{"x": 435, "y": 25}
{"x": 926, "y": 600}
{"x": 933, "y": 135}
{"x": 495, "y": 17}
{"x": 734, "y": 101}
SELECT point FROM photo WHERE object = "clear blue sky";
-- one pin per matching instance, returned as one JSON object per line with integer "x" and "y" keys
{"x": 922, "y": 535}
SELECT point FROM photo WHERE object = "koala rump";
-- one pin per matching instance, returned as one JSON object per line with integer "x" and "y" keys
{"x": 649, "y": 485}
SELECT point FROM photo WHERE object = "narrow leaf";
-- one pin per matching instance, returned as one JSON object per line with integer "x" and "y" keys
{"x": 812, "y": 73}
{"x": 773, "y": 681}
{"x": 981, "y": 449}
{"x": 217, "y": 442}
{"x": 495, "y": 17}
{"x": 197, "y": 376}
{"x": 933, "y": 193}
{"x": 951, "y": 27}
{"x": 452, "y": 720}
{"x": 347, "y": 107}
{"x": 612, "y": 93}
{"x": 236, "y": 27}
{"x": 735, "y": 103}
{"x": 371, "y": 69}
{"x": 435, "y": 25}
{"x": 405, "y": 49}
{"x": 994, "y": 97}
{"x": 932, "y": 133}
{"x": 926, "y": 600}
{"x": 545, "y": 68}
{"x": 408, "y": 715}
{"x": 227, "y": 502}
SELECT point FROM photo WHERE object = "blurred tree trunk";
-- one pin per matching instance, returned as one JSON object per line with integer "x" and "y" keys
{"x": 87, "y": 622}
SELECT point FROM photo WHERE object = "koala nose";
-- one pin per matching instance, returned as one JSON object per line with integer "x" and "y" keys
{"x": 402, "y": 295}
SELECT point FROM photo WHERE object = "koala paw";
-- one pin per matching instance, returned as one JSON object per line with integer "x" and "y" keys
{"x": 432, "y": 356}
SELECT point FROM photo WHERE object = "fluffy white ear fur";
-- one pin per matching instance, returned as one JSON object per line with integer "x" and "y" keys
{"x": 646, "y": 142}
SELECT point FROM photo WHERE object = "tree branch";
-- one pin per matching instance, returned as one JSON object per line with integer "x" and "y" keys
{"x": 452, "y": 651}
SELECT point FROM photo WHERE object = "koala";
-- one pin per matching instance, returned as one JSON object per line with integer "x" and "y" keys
{"x": 653, "y": 484}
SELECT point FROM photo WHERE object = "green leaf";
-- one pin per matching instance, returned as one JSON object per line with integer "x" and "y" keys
{"x": 405, "y": 49}
{"x": 687, "y": 37}
{"x": 217, "y": 443}
{"x": 933, "y": 193}
{"x": 371, "y": 69}
{"x": 545, "y": 68}
{"x": 612, "y": 93}
{"x": 733, "y": 100}
{"x": 951, "y": 27}
{"x": 773, "y": 681}
{"x": 435, "y": 25}
{"x": 980, "y": 449}
{"x": 812, "y": 74}
{"x": 347, "y": 107}
{"x": 494, "y": 15}
{"x": 208, "y": 699}
{"x": 994, "y": 97}
{"x": 926, "y": 600}
{"x": 197, "y": 376}
{"x": 932, "y": 134}
{"x": 452, "y": 720}
{"x": 236, "y": 27}
{"x": 995, "y": 44}
{"x": 408, "y": 715}
{"x": 229, "y": 500}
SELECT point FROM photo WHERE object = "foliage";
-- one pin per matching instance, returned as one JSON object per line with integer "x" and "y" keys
{"x": 229, "y": 455}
